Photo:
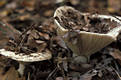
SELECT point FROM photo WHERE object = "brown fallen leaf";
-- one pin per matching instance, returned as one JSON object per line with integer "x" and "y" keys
{"x": 7, "y": 31}
{"x": 59, "y": 78}
{"x": 12, "y": 74}
{"x": 114, "y": 6}
{"x": 29, "y": 4}
{"x": 23, "y": 78}
{"x": 4, "y": 13}
{"x": 116, "y": 54}
{"x": 74, "y": 2}
{"x": 88, "y": 75}
{"x": 48, "y": 13}
{"x": 2, "y": 3}
{"x": 24, "y": 17}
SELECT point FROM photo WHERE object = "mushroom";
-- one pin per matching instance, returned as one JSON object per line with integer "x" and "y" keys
{"x": 7, "y": 32}
{"x": 85, "y": 43}
{"x": 26, "y": 58}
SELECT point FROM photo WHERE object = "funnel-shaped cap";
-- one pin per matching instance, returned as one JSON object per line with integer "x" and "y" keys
{"x": 26, "y": 57}
{"x": 82, "y": 42}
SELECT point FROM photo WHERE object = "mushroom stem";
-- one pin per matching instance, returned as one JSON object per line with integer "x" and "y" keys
{"x": 21, "y": 68}
{"x": 80, "y": 59}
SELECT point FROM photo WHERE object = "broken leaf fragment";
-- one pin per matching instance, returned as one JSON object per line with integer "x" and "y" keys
{"x": 11, "y": 74}
{"x": 116, "y": 54}
{"x": 84, "y": 43}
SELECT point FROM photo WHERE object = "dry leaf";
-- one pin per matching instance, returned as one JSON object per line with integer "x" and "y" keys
{"x": 2, "y": 2}
{"x": 88, "y": 75}
{"x": 116, "y": 54}
{"x": 12, "y": 74}
{"x": 59, "y": 78}
{"x": 23, "y": 78}
{"x": 24, "y": 17}
{"x": 4, "y": 13}
{"x": 29, "y": 4}
{"x": 114, "y": 5}
{"x": 48, "y": 13}
{"x": 74, "y": 2}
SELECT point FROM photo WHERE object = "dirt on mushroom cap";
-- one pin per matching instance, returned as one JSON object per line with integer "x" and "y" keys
{"x": 73, "y": 20}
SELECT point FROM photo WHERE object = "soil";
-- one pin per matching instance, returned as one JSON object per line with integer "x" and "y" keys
{"x": 74, "y": 20}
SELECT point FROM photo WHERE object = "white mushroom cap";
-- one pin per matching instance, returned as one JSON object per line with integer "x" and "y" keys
{"x": 26, "y": 57}
{"x": 87, "y": 42}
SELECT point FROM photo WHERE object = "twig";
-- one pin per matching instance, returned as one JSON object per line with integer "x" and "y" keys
{"x": 52, "y": 73}
{"x": 116, "y": 17}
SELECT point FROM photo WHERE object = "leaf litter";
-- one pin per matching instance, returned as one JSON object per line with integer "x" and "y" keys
{"x": 43, "y": 36}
